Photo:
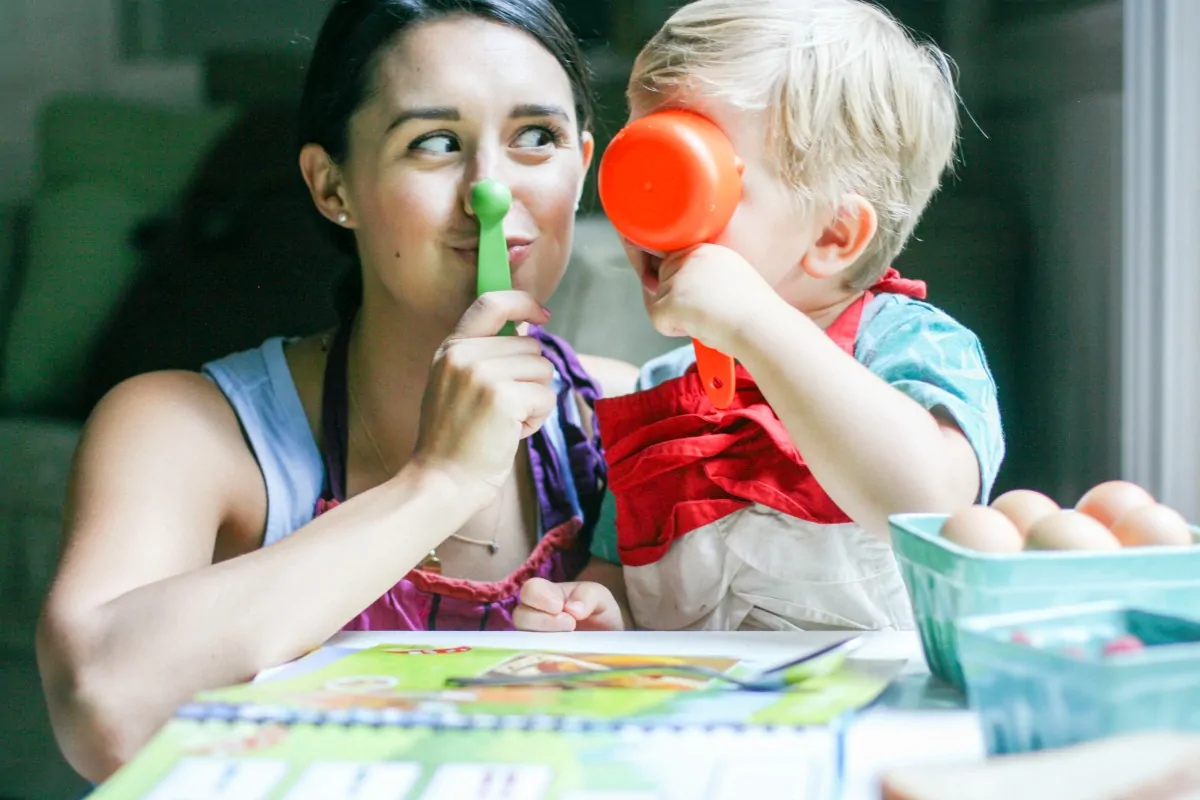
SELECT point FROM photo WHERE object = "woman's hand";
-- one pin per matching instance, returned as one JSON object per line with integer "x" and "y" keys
{"x": 485, "y": 393}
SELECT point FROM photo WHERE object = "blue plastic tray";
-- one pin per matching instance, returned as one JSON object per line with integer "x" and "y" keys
{"x": 1032, "y": 696}
{"x": 947, "y": 582}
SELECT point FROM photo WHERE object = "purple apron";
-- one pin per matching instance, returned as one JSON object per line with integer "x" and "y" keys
{"x": 425, "y": 600}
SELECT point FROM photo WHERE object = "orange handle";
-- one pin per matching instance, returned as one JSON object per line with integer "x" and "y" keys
{"x": 716, "y": 370}
{"x": 668, "y": 181}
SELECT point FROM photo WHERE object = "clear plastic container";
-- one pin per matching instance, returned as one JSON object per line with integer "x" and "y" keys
{"x": 947, "y": 582}
{"x": 1042, "y": 679}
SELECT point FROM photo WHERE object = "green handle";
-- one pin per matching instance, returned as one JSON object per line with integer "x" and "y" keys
{"x": 490, "y": 200}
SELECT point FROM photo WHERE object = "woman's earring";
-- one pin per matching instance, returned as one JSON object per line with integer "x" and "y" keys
{"x": 343, "y": 218}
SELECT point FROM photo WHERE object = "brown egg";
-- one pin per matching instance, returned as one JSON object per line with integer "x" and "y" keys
{"x": 983, "y": 529}
{"x": 1024, "y": 507}
{"x": 1070, "y": 530}
{"x": 1150, "y": 526}
{"x": 1109, "y": 501}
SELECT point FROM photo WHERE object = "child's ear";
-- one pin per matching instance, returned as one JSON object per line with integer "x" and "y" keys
{"x": 587, "y": 146}
{"x": 843, "y": 240}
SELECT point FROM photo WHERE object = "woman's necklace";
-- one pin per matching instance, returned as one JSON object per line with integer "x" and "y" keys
{"x": 431, "y": 562}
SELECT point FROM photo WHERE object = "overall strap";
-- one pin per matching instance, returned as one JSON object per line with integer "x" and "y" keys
{"x": 335, "y": 418}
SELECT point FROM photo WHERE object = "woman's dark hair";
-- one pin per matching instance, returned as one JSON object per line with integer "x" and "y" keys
{"x": 343, "y": 68}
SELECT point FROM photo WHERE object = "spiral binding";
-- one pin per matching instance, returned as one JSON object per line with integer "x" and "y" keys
{"x": 451, "y": 721}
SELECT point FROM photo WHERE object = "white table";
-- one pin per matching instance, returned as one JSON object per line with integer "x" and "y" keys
{"x": 749, "y": 645}
{"x": 917, "y": 720}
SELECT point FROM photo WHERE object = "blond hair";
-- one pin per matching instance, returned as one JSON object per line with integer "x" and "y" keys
{"x": 853, "y": 103}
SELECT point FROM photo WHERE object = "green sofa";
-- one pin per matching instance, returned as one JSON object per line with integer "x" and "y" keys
{"x": 66, "y": 256}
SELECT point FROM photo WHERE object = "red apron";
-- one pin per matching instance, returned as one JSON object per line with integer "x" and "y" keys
{"x": 677, "y": 463}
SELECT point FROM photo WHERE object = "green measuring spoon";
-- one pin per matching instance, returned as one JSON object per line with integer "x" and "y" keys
{"x": 490, "y": 200}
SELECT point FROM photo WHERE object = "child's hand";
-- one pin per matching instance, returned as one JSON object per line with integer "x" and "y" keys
{"x": 578, "y": 606}
{"x": 708, "y": 292}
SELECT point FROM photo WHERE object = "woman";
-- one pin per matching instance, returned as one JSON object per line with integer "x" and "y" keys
{"x": 379, "y": 482}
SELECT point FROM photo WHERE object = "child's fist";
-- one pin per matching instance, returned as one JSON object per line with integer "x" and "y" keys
{"x": 707, "y": 292}
{"x": 577, "y": 606}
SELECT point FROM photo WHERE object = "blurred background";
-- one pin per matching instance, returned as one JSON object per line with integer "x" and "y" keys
{"x": 151, "y": 215}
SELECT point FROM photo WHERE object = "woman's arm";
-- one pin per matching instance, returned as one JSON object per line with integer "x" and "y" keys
{"x": 139, "y": 618}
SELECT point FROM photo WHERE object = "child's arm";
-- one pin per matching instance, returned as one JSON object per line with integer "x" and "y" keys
{"x": 615, "y": 377}
{"x": 874, "y": 450}
{"x": 594, "y": 602}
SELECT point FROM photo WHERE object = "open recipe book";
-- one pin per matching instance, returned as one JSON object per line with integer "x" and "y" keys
{"x": 399, "y": 722}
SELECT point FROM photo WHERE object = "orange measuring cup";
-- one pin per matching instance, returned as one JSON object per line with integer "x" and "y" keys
{"x": 668, "y": 181}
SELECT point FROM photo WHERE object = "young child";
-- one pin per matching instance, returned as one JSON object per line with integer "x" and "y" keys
{"x": 855, "y": 398}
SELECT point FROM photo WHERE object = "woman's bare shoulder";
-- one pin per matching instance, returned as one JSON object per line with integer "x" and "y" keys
{"x": 171, "y": 430}
{"x": 161, "y": 424}
{"x": 168, "y": 403}
{"x": 162, "y": 470}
